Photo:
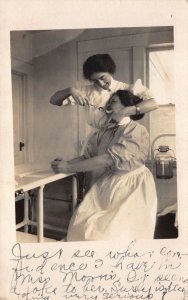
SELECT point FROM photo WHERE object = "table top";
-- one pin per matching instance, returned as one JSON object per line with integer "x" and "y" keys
{"x": 34, "y": 179}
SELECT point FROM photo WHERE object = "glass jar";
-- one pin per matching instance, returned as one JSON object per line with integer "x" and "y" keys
{"x": 164, "y": 161}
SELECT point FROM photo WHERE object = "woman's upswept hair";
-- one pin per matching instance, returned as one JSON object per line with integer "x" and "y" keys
{"x": 98, "y": 63}
{"x": 128, "y": 99}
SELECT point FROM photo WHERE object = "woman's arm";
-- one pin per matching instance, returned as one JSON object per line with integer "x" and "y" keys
{"x": 84, "y": 165}
{"x": 143, "y": 107}
{"x": 77, "y": 159}
{"x": 60, "y": 96}
{"x": 148, "y": 104}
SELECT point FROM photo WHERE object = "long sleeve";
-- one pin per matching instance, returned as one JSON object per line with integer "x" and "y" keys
{"x": 131, "y": 150}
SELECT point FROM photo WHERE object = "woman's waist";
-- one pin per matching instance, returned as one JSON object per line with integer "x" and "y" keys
{"x": 136, "y": 171}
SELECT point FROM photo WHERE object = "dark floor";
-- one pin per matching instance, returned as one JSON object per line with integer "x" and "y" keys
{"x": 165, "y": 228}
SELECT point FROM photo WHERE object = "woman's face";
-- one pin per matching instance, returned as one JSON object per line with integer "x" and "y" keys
{"x": 101, "y": 79}
{"x": 114, "y": 104}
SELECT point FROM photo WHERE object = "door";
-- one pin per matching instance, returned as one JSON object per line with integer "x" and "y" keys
{"x": 18, "y": 80}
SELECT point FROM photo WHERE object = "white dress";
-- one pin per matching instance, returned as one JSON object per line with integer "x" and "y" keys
{"x": 122, "y": 201}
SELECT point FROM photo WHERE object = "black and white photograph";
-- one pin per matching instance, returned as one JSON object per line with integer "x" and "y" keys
{"x": 123, "y": 161}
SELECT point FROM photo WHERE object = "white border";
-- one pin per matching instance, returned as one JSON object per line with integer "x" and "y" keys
{"x": 62, "y": 14}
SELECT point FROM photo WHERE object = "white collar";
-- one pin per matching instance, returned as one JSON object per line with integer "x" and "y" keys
{"x": 125, "y": 121}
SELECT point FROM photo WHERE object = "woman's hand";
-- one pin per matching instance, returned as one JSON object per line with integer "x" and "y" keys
{"x": 56, "y": 99}
{"x": 60, "y": 166}
{"x": 58, "y": 159}
{"x": 60, "y": 96}
{"x": 79, "y": 97}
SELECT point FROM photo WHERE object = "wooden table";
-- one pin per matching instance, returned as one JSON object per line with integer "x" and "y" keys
{"x": 37, "y": 180}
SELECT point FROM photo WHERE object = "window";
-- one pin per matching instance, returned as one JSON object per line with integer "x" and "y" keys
{"x": 160, "y": 74}
{"x": 160, "y": 80}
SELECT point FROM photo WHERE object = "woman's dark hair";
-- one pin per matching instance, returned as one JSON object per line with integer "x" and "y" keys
{"x": 128, "y": 99}
{"x": 98, "y": 63}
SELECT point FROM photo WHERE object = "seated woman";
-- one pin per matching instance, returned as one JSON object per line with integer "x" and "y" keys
{"x": 121, "y": 202}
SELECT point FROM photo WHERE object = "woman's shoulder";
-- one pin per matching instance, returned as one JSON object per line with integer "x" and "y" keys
{"x": 119, "y": 85}
{"x": 140, "y": 129}
{"x": 134, "y": 128}
{"x": 86, "y": 88}
{"x": 138, "y": 125}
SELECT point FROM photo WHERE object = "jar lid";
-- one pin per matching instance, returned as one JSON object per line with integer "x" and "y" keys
{"x": 163, "y": 148}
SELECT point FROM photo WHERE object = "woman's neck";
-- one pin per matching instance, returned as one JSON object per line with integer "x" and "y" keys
{"x": 120, "y": 119}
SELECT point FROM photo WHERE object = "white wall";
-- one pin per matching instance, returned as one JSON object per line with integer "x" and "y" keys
{"x": 55, "y": 128}
{"x": 162, "y": 122}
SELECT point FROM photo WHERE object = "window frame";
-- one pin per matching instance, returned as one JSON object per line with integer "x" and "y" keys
{"x": 152, "y": 49}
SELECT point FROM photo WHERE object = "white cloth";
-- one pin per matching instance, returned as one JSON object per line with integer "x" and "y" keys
{"x": 138, "y": 89}
{"x": 117, "y": 206}
{"x": 122, "y": 200}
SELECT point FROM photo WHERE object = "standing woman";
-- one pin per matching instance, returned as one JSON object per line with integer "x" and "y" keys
{"x": 121, "y": 201}
{"x": 99, "y": 70}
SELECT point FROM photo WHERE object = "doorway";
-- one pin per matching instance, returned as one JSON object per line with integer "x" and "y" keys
{"x": 18, "y": 99}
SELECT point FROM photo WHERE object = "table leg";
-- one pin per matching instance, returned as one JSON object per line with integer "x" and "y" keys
{"x": 40, "y": 214}
{"x": 74, "y": 193}
{"x": 26, "y": 211}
